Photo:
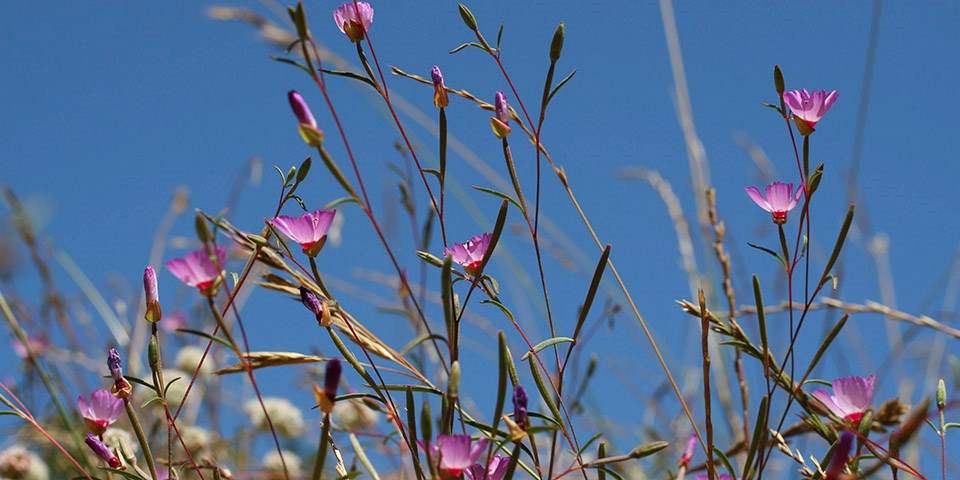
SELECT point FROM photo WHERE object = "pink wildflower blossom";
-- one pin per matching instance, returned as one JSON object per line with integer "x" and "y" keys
{"x": 307, "y": 229}
{"x": 778, "y": 200}
{"x": 809, "y": 107}
{"x": 457, "y": 454}
{"x": 102, "y": 410}
{"x": 350, "y": 23}
{"x": 495, "y": 470}
{"x": 196, "y": 269}
{"x": 851, "y": 397}
{"x": 470, "y": 254}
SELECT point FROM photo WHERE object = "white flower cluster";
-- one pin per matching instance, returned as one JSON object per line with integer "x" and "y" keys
{"x": 287, "y": 419}
{"x": 272, "y": 463}
{"x": 18, "y": 463}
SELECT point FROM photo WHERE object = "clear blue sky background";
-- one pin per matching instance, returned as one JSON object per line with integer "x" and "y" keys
{"x": 107, "y": 109}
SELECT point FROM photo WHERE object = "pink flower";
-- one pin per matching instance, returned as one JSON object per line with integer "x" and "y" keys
{"x": 457, "y": 454}
{"x": 307, "y": 229}
{"x": 495, "y": 470}
{"x": 851, "y": 397}
{"x": 101, "y": 412}
{"x": 196, "y": 269}
{"x": 354, "y": 19}
{"x": 809, "y": 107}
{"x": 470, "y": 254}
{"x": 778, "y": 201}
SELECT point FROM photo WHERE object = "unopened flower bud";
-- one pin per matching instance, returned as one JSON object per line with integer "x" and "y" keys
{"x": 154, "y": 313}
{"x": 556, "y": 46}
{"x": 317, "y": 307}
{"x": 941, "y": 395}
{"x": 440, "y": 99}
{"x": 331, "y": 379}
{"x": 838, "y": 459}
{"x": 308, "y": 129}
{"x": 121, "y": 387}
{"x": 688, "y": 452}
{"x": 520, "y": 406}
{"x": 501, "y": 122}
{"x": 101, "y": 450}
{"x": 468, "y": 17}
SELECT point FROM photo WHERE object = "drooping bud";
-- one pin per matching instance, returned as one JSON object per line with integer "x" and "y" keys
{"x": 101, "y": 451}
{"x": 501, "y": 122}
{"x": 154, "y": 313}
{"x": 308, "y": 129}
{"x": 121, "y": 387}
{"x": 838, "y": 460}
{"x": 520, "y": 407}
{"x": 317, "y": 307}
{"x": 440, "y": 99}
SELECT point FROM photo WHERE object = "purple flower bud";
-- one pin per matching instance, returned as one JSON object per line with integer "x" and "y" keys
{"x": 115, "y": 364}
{"x": 838, "y": 459}
{"x": 121, "y": 387}
{"x": 300, "y": 109}
{"x": 101, "y": 450}
{"x": 150, "y": 289}
{"x": 520, "y": 407}
{"x": 332, "y": 378}
{"x": 311, "y": 301}
{"x": 503, "y": 112}
{"x": 440, "y": 99}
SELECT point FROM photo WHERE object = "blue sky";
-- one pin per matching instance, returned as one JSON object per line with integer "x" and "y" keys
{"x": 107, "y": 110}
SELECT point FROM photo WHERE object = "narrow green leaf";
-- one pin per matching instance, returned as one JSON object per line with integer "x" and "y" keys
{"x": 122, "y": 473}
{"x": 771, "y": 252}
{"x": 419, "y": 340}
{"x": 362, "y": 456}
{"x": 206, "y": 335}
{"x": 355, "y": 76}
{"x": 546, "y": 393}
{"x": 544, "y": 344}
{"x": 827, "y": 342}
{"x": 592, "y": 291}
{"x": 340, "y": 201}
{"x": 290, "y": 62}
{"x": 759, "y": 436}
{"x": 839, "y": 245}
{"x": 560, "y": 85}
{"x": 507, "y": 358}
{"x": 499, "y": 194}
{"x": 465, "y": 45}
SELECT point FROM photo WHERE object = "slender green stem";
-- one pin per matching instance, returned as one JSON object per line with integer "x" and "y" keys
{"x": 144, "y": 444}
{"x": 322, "y": 449}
